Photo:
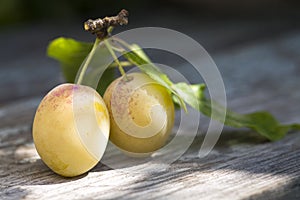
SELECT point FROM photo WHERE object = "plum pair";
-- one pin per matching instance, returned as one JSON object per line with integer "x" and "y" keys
{"x": 73, "y": 124}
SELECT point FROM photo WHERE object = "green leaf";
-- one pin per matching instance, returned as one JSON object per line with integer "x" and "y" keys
{"x": 261, "y": 122}
{"x": 149, "y": 68}
{"x": 71, "y": 54}
{"x": 138, "y": 58}
{"x": 139, "y": 51}
{"x": 186, "y": 93}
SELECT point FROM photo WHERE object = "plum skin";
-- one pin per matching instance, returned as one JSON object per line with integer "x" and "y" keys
{"x": 55, "y": 132}
{"x": 139, "y": 107}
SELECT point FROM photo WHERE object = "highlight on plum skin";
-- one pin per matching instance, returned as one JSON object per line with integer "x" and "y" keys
{"x": 71, "y": 129}
{"x": 141, "y": 114}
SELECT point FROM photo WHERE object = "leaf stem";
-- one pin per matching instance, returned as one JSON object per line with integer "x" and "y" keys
{"x": 123, "y": 63}
{"x": 122, "y": 42}
{"x": 108, "y": 46}
{"x": 118, "y": 49}
{"x": 88, "y": 60}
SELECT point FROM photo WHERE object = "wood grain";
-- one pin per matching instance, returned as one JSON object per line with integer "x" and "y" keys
{"x": 261, "y": 75}
{"x": 239, "y": 167}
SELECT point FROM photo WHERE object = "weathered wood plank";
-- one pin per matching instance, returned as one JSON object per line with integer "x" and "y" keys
{"x": 241, "y": 166}
{"x": 238, "y": 168}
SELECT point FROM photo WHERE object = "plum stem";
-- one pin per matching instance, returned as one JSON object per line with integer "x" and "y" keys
{"x": 88, "y": 60}
{"x": 102, "y": 27}
{"x": 109, "y": 48}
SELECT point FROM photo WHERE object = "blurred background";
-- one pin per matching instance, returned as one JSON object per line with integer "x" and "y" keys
{"x": 255, "y": 43}
{"x": 33, "y": 11}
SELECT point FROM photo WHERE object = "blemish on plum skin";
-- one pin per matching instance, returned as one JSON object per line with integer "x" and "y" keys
{"x": 69, "y": 101}
{"x": 55, "y": 106}
{"x": 64, "y": 91}
{"x": 53, "y": 97}
{"x": 75, "y": 87}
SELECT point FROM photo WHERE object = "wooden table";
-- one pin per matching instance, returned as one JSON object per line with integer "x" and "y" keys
{"x": 260, "y": 64}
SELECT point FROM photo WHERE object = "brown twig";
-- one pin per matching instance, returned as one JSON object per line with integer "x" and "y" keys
{"x": 100, "y": 26}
